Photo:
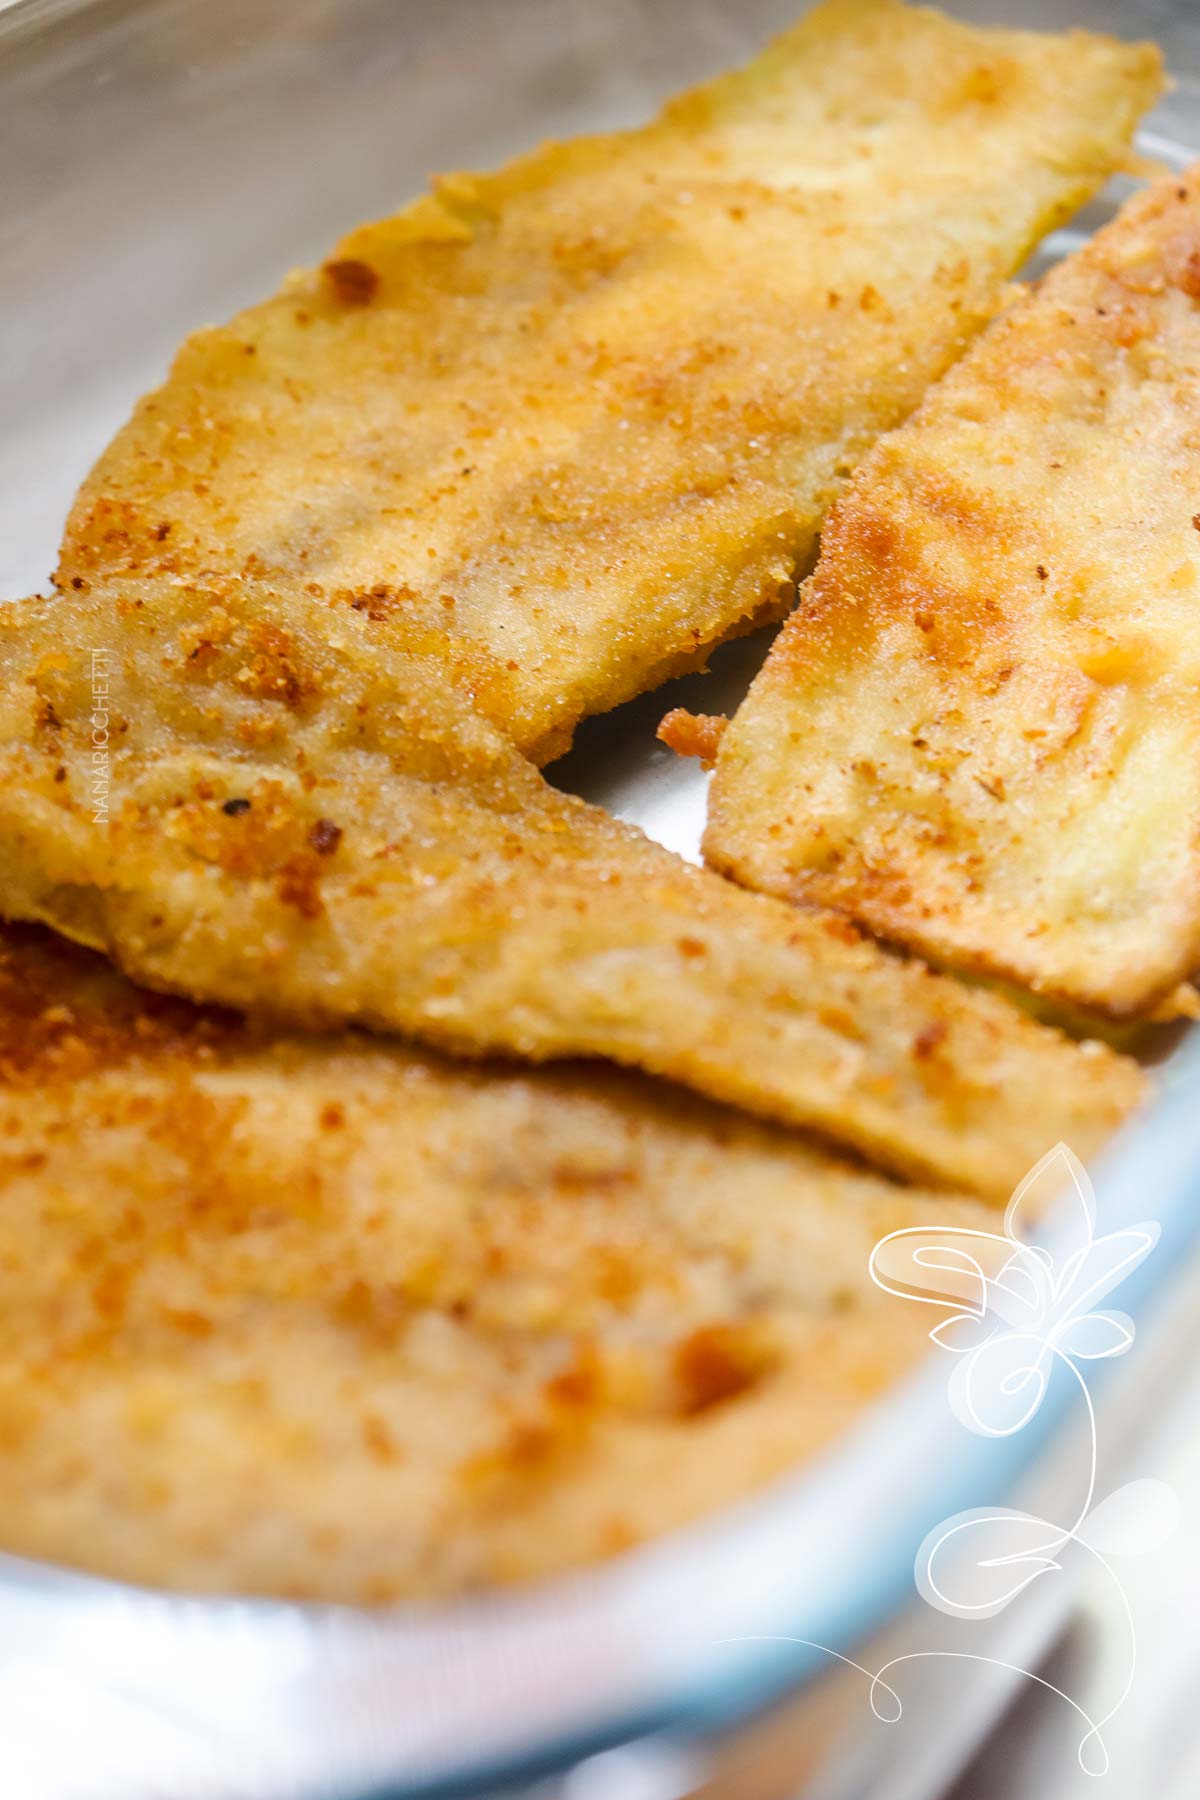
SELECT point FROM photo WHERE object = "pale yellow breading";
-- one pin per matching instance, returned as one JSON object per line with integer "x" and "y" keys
{"x": 980, "y": 732}
{"x": 337, "y": 1319}
{"x": 290, "y": 812}
{"x": 581, "y": 419}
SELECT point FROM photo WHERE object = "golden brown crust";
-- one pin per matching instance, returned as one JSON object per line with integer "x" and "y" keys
{"x": 301, "y": 817}
{"x": 579, "y": 420}
{"x": 980, "y": 732}
{"x": 65, "y": 1015}
{"x": 693, "y": 734}
{"x": 338, "y": 1319}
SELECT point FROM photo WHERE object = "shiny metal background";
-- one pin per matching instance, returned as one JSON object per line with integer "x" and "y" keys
{"x": 162, "y": 162}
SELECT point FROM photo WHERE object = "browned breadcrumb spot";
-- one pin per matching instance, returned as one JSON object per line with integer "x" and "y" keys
{"x": 378, "y": 602}
{"x": 929, "y": 1039}
{"x": 693, "y": 734}
{"x": 844, "y": 930}
{"x": 251, "y": 836}
{"x": 576, "y": 1385}
{"x": 354, "y": 282}
{"x": 273, "y": 670}
{"x": 718, "y": 1362}
{"x": 325, "y": 837}
{"x": 842, "y": 1020}
{"x": 107, "y": 1024}
{"x": 297, "y": 886}
{"x": 1182, "y": 262}
{"x": 529, "y": 1446}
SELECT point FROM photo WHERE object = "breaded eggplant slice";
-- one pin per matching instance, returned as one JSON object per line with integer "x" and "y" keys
{"x": 251, "y": 799}
{"x": 338, "y": 1319}
{"x": 980, "y": 732}
{"x": 581, "y": 419}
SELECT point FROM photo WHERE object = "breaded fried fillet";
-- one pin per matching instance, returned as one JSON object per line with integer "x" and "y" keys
{"x": 980, "y": 732}
{"x": 580, "y": 419}
{"x": 337, "y": 1319}
{"x": 288, "y": 812}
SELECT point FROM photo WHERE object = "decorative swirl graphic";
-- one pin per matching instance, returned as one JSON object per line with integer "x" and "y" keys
{"x": 1019, "y": 1316}
{"x": 1018, "y": 1313}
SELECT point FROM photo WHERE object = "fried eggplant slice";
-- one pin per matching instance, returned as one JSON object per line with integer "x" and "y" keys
{"x": 286, "y": 811}
{"x": 335, "y": 1318}
{"x": 581, "y": 418}
{"x": 980, "y": 732}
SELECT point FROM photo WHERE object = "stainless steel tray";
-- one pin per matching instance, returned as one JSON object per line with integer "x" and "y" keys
{"x": 161, "y": 163}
